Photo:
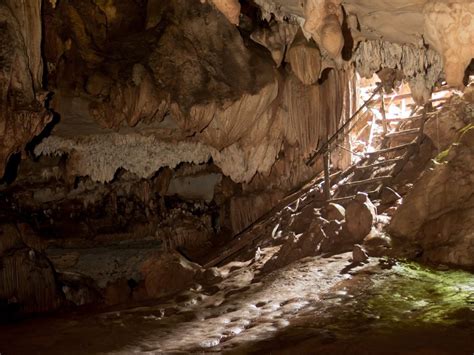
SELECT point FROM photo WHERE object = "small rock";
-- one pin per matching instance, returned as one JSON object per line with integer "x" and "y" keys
{"x": 335, "y": 212}
{"x": 390, "y": 212}
{"x": 32, "y": 255}
{"x": 164, "y": 275}
{"x": 387, "y": 263}
{"x": 333, "y": 229}
{"x": 210, "y": 276}
{"x": 377, "y": 243}
{"x": 359, "y": 255}
{"x": 362, "y": 197}
{"x": 403, "y": 190}
{"x": 389, "y": 196}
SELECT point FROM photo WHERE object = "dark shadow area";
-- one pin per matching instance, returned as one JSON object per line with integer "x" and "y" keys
{"x": 11, "y": 169}
{"x": 348, "y": 40}
{"x": 469, "y": 72}
{"x": 324, "y": 75}
{"x": 30, "y": 146}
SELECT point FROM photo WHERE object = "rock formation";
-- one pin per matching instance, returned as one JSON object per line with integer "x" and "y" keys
{"x": 323, "y": 20}
{"x": 22, "y": 99}
{"x": 230, "y": 9}
{"x": 437, "y": 215}
{"x": 151, "y": 131}
{"x": 449, "y": 28}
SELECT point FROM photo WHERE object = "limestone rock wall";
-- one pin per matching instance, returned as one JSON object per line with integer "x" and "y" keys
{"x": 445, "y": 26}
{"x": 22, "y": 109}
{"x": 229, "y": 8}
{"x": 27, "y": 279}
{"x": 179, "y": 123}
{"x": 276, "y": 39}
{"x": 437, "y": 215}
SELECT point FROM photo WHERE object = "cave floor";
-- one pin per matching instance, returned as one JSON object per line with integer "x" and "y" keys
{"x": 315, "y": 305}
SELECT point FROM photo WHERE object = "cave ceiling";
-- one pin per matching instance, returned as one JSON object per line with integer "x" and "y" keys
{"x": 446, "y": 26}
{"x": 223, "y": 80}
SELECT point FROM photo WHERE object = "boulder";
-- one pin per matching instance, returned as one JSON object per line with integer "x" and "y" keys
{"x": 297, "y": 247}
{"x": 438, "y": 213}
{"x": 360, "y": 216}
{"x": 167, "y": 274}
{"x": 359, "y": 254}
{"x": 335, "y": 212}
{"x": 210, "y": 276}
{"x": 9, "y": 238}
{"x": 444, "y": 130}
{"x": 377, "y": 243}
{"x": 27, "y": 282}
{"x": 389, "y": 196}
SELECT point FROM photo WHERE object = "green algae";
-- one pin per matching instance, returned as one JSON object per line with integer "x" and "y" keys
{"x": 414, "y": 295}
{"x": 408, "y": 298}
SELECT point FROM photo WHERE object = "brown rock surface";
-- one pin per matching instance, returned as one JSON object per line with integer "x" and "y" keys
{"x": 449, "y": 28}
{"x": 230, "y": 9}
{"x": 167, "y": 275}
{"x": 360, "y": 217}
{"x": 443, "y": 128}
{"x": 335, "y": 212}
{"x": 27, "y": 282}
{"x": 389, "y": 196}
{"x": 437, "y": 213}
{"x": 22, "y": 111}
{"x": 305, "y": 59}
{"x": 297, "y": 247}
{"x": 359, "y": 255}
{"x": 323, "y": 23}
{"x": 276, "y": 39}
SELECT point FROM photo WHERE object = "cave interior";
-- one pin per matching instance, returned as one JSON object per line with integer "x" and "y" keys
{"x": 236, "y": 176}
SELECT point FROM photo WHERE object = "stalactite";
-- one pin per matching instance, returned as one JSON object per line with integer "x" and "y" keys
{"x": 449, "y": 28}
{"x": 421, "y": 67}
{"x": 305, "y": 59}
{"x": 276, "y": 39}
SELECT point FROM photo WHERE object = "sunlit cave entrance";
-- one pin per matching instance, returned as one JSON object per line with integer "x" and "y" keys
{"x": 225, "y": 176}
